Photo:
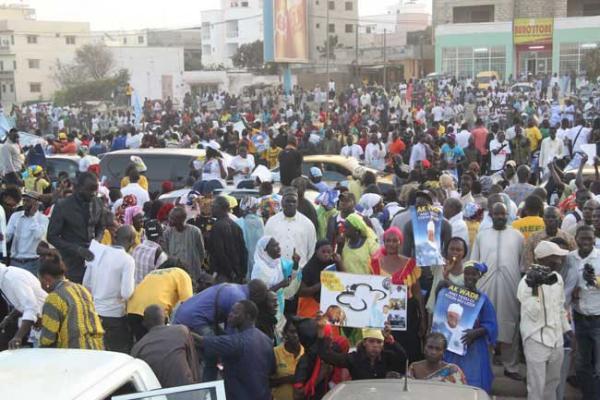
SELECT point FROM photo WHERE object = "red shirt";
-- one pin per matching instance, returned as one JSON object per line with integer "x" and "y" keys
{"x": 480, "y": 135}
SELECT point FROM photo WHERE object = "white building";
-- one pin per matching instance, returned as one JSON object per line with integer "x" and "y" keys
{"x": 29, "y": 51}
{"x": 339, "y": 19}
{"x": 225, "y": 29}
{"x": 399, "y": 19}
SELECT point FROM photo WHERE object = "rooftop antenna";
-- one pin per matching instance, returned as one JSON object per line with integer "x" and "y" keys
{"x": 406, "y": 378}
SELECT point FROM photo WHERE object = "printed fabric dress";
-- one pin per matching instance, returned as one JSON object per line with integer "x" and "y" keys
{"x": 450, "y": 373}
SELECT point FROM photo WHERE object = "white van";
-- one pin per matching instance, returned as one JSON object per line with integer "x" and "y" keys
{"x": 70, "y": 374}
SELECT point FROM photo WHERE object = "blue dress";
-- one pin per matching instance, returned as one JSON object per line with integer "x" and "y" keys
{"x": 476, "y": 363}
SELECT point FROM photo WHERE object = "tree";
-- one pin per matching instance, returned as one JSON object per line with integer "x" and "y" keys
{"x": 592, "y": 64}
{"x": 333, "y": 44}
{"x": 93, "y": 90}
{"x": 95, "y": 59}
{"x": 249, "y": 56}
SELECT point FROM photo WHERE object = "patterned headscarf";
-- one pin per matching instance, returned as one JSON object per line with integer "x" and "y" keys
{"x": 128, "y": 201}
{"x": 473, "y": 212}
{"x": 248, "y": 203}
{"x": 479, "y": 266}
{"x": 131, "y": 212}
{"x": 328, "y": 199}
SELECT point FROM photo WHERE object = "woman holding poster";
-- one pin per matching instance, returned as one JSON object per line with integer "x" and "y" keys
{"x": 388, "y": 261}
{"x": 476, "y": 363}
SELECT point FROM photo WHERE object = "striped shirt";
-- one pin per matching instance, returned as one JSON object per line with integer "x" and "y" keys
{"x": 69, "y": 319}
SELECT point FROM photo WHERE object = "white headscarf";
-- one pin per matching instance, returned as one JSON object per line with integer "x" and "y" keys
{"x": 265, "y": 268}
{"x": 367, "y": 202}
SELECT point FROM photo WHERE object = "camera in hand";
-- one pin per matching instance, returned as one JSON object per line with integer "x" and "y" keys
{"x": 539, "y": 275}
{"x": 589, "y": 275}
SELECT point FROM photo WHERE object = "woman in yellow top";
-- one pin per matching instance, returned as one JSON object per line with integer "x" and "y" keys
{"x": 388, "y": 261}
{"x": 36, "y": 180}
{"x": 361, "y": 244}
{"x": 287, "y": 356}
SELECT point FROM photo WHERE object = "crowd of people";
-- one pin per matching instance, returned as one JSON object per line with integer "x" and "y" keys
{"x": 214, "y": 280}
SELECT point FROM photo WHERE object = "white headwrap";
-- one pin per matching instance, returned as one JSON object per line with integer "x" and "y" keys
{"x": 265, "y": 268}
{"x": 367, "y": 202}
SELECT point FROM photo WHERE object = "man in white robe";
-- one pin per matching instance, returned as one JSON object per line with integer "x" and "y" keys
{"x": 500, "y": 247}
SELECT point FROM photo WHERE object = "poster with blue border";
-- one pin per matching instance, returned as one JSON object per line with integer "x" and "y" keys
{"x": 456, "y": 310}
{"x": 427, "y": 231}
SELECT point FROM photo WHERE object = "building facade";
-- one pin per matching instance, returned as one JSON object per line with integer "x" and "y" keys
{"x": 336, "y": 18}
{"x": 30, "y": 50}
{"x": 517, "y": 38}
{"x": 224, "y": 30}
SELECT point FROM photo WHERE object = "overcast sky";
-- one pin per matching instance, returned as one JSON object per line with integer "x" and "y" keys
{"x": 137, "y": 14}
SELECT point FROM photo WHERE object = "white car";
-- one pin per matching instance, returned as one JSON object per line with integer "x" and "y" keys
{"x": 72, "y": 374}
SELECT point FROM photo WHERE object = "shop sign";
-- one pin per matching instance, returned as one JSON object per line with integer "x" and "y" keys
{"x": 532, "y": 30}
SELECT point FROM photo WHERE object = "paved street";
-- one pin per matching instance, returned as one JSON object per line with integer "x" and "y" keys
{"x": 508, "y": 389}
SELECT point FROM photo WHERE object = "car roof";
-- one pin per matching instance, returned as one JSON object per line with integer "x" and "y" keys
{"x": 72, "y": 157}
{"x": 61, "y": 373}
{"x": 383, "y": 389}
{"x": 159, "y": 151}
{"x": 348, "y": 162}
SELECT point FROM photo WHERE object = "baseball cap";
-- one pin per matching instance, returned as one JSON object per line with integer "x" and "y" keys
{"x": 315, "y": 172}
{"x": 62, "y": 136}
{"x": 546, "y": 249}
{"x": 368, "y": 333}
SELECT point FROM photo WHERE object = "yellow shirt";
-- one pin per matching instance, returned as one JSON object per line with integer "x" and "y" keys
{"x": 272, "y": 155}
{"x": 529, "y": 225}
{"x": 165, "y": 287}
{"x": 534, "y": 135}
{"x": 106, "y": 238}
{"x": 143, "y": 182}
{"x": 286, "y": 365}
{"x": 38, "y": 185}
{"x": 442, "y": 130}
{"x": 358, "y": 261}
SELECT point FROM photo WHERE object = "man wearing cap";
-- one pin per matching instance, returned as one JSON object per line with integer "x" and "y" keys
{"x": 376, "y": 357}
{"x": 543, "y": 322}
{"x": 26, "y": 229}
{"x": 134, "y": 188}
{"x": 316, "y": 178}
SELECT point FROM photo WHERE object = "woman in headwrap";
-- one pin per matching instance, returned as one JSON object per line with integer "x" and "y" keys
{"x": 127, "y": 201}
{"x": 252, "y": 227}
{"x": 372, "y": 204}
{"x": 388, "y": 261}
{"x": 360, "y": 245}
{"x": 455, "y": 252}
{"x": 134, "y": 216}
{"x": 309, "y": 294}
{"x": 476, "y": 363}
{"x": 326, "y": 209}
{"x": 448, "y": 186}
{"x": 277, "y": 273}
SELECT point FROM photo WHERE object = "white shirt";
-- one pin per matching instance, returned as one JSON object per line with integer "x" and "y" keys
{"x": 10, "y": 158}
{"x": 212, "y": 171}
{"x": 438, "y": 113}
{"x": 110, "y": 280}
{"x": 569, "y": 221}
{"x": 562, "y": 133}
{"x": 543, "y": 317}
{"x": 352, "y": 151}
{"x": 462, "y": 139}
{"x": 582, "y": 137}
{"x": 498, "y": 160}
{"x": 375, "y": 156}
{"x": 139, "y": 192}
{"x": 293, "y": 233}
{"x": 238, "y": 164}
{"x": 418, "y": 153}
{"x": 23, "y": 291}
{"x": 549, "y": 150}
{"x": 459, "y": 227}
{"x": 26, "y": 233}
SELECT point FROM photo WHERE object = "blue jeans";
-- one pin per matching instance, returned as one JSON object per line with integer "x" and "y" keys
{"x": 587, "y": 359}
{"x": 30, "y": 265}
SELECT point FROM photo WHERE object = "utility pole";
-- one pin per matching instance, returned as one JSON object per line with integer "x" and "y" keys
{"x": 385, "y": 59}
{"x": 356, "y": 71}
{"x": 327, "y": 41}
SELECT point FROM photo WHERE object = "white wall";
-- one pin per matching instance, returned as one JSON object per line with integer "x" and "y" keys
{"x": 148, "y": 66}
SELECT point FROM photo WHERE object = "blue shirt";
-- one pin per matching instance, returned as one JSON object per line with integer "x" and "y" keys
{"x": 452, "y": 154}
{"x": 199, "y": 311}
{"x": 322, "y": 186}
{"x": 119, "y": 143}
{"x": 248, "y": 361}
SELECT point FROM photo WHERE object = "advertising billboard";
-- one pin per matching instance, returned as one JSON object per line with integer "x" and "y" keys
{"x": 286, "y": 38}
{"x": 533, "y": 30}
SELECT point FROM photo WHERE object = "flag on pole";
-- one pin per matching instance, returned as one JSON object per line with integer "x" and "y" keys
{"x": 137, "y": 107}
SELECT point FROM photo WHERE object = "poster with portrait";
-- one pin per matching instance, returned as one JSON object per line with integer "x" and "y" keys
{"x": 363, "y": 301}
{"x": 427, "y": 231}
{"x": 456, "y": 310}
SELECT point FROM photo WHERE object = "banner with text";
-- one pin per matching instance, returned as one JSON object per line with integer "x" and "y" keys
{"x": 427, "y": 228}
{"x": 533, "y": 30}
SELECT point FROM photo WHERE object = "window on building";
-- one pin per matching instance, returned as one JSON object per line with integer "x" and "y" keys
{"x": 318, "y": 25}
{"x": 349, "y": 28}
{"x": 572, "y": 56}
{"x": 12, "y": 87}
{"x": 12, "y": 39}
{"x": 369, "y": 29}
{"x": 473, "y": 14}
{"x": 32, "y": 39}
{"x": 1, "y": 65}
{"x": 331, "y": 5}
{"x": 244, "y": 4}
{"x": 3, "y": 88}
{"x": 124, "y": 40}
{"x": 35, "y": 87}
{"x": 14, "y": 65}
{"x": 349, "y": 6}
{"x": 70, "y": 39}
{"x": 591, "y": 8}
{"x": 331, "y": 28}
{"x": 467, "y": 62}
{"x": 33, "y": 63}
{"x": 140, "y": 40}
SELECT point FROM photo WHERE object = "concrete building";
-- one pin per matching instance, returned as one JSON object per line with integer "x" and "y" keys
{"x": 29, "y": 51}
{"x": 227, "y": 28}
{"x": 514, "y": 37}
{"x": 188, "y": 39}
{"x": 339, "y": 19}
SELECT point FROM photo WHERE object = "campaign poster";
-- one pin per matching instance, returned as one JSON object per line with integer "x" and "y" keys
{"x": 363, "y": 301}
{"x": 427, "y": 231}
{"x": 456, "y": 310}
